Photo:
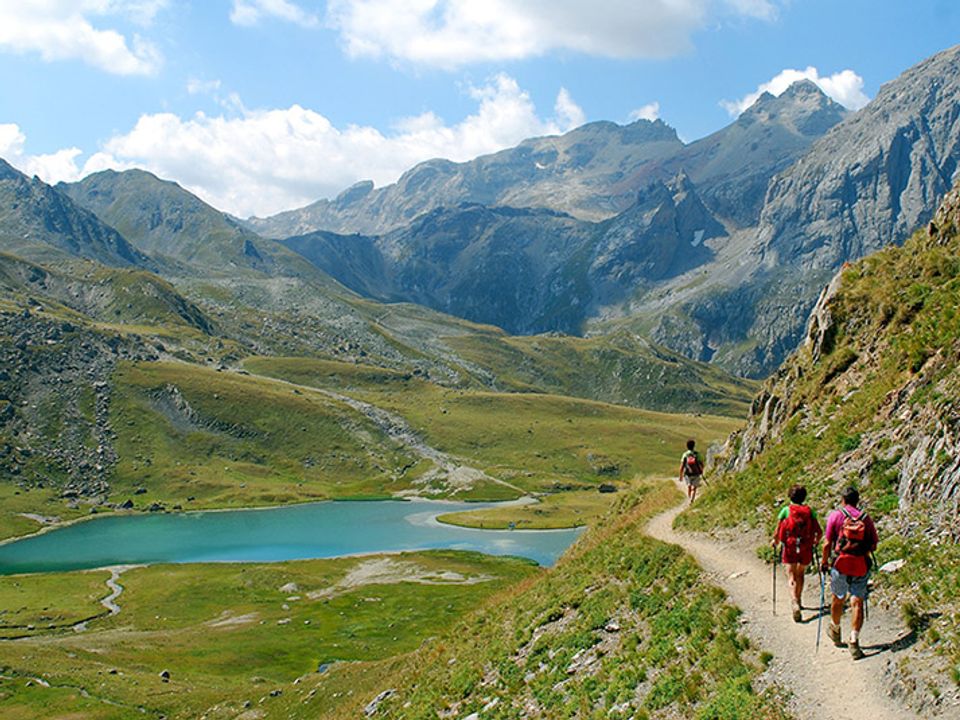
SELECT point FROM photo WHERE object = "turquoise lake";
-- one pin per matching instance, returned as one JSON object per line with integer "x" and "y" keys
{"x": 316, "y": 530}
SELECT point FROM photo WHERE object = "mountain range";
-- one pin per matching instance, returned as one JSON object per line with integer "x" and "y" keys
{"x": 716, "y": 249}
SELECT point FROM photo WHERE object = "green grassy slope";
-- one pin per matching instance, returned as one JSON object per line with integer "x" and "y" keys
{"x": 623, "y": 626}
{"x": 536, "y": 442}
{"x": 872, "y": 400}
{"x": 230, "y": 440}
{"x": 621, "y": 368}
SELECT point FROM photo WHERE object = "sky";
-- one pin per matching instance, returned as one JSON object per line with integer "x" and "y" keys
{"x": 259, "y": 106}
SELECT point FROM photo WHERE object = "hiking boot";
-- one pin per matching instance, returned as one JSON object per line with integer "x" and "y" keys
{"x": 797, "y": 617}
{"x": 835, "y": 635}
{"x": 855, "y": 650}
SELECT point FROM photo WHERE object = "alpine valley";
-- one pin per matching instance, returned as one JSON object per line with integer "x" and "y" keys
{"x": 545, "y": 325}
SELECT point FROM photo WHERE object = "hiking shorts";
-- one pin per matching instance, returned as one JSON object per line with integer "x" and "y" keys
{"x": 843, "y": 585}
{"x": 693, "y": 480}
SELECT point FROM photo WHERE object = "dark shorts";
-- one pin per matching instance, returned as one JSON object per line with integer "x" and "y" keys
{"x": 843, "y": 585}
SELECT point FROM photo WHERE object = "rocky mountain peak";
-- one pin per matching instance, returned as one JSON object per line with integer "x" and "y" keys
{"x": 803, "y": 107}
{"x": 8, "y": 171}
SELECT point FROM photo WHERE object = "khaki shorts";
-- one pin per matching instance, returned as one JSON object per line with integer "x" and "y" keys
{"x": 693, "y": 480}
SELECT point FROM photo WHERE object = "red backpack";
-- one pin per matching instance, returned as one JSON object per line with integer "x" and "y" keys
{"x": 796, "y": 534}
{"x": 851, "y": 546}
{"x": 692, "y": 465}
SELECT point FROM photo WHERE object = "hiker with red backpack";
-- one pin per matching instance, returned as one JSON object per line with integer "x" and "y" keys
{"x": 691, "y": 470}
{"x": 798, "y": 532}
{"x": 850, "y": 538}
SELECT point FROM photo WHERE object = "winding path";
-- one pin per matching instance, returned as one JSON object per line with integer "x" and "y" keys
{"x": 828, "y": 684}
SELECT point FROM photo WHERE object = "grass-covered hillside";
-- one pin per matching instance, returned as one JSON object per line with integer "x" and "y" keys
{"x": 623, "y": 627}
{"x": 872, "y": 399}
{"x": 620, "y": 368}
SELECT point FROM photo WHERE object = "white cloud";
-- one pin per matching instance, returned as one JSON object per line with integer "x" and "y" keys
{"x": 251, "y": 12}
{"x": 846, "y": 87}
{"x": 263, "y": 161}
{"x": 650, "y": 111}
{"x": 196, "y": 86}
{"x": 762, "y": 9}
{"x": 61, "y": 165}
{"x": 451, "y": 33}
{"x": 62, "y": 30}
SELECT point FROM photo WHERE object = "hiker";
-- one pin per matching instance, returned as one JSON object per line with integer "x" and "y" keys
{"x": 850, "y": 538}
{"x": 798, "y": 532}
{"x": 691, "y": 470}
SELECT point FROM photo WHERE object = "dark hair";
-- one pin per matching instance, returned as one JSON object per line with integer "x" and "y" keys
{"x": 851, "y": 496}
{"x": 797, "y": 494}
{"x": 690, "y": 444}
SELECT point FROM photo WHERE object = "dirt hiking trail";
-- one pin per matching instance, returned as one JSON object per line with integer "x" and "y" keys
{"x": 828, "y": 684}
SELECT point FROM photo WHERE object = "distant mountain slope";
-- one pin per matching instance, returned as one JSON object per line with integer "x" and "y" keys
{"x": 733, "y": 166}
{"x": 39, "y": 222}
{"x": 864, "y": 185}
{"x": 113, "y": 295}
{"x": 574, "y": 173}
{"x": 592, "y": 172}
{"x": 526, "y": 270}
{"x": 167, "y": 222}
{"x": 620, "y": 368}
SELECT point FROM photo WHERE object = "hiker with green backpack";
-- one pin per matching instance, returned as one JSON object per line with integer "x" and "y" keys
{"x": 798, "y": 532}
{"x": 850, "y": 539}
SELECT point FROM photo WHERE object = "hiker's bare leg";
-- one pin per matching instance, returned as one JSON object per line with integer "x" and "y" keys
{"x": 836, "y": 610}
{"x": 795, "y": 573}
{"x": 856, "y": 621}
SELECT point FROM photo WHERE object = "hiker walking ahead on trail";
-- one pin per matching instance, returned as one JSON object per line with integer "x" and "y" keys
{"x": 851, "y": 537}
{"x": 798, "y": 532}
{"x": 691, "y": 470}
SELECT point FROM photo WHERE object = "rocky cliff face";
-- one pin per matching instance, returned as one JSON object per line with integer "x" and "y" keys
{"x": 581, "y": 173}
{"x": 39, "y": 222}
{"x": 525, "y": 270}
{"x": 877, "y": 369}
{"x": 732, "y": 167}
{"x": 868, "y": 183}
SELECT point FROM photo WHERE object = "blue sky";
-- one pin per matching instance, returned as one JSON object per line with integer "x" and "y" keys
{"x": 264, "y": 105}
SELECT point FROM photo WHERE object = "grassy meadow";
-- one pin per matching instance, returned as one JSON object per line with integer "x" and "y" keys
{"x": 560, "y": 449}
{"x": 227, "y": 633}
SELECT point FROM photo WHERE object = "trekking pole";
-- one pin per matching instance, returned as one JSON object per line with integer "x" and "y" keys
{"x": 820, "y": 614}
{"x": 776, "y": 558}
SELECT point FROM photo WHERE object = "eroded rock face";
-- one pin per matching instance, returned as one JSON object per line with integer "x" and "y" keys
{"x": 868, "y": 183}
{"x": 526, "y": 270}
{"x": 914, "y": 433}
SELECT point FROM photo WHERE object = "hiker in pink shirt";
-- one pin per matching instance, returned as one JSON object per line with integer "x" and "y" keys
{"x": 850, "y": 538}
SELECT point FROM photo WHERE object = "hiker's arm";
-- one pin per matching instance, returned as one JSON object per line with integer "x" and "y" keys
{"x": 825, "y": 555}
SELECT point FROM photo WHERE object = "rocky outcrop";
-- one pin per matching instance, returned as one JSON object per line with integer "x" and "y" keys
{"x": 55, "y": 390}
{"x": 866, "y": 336}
